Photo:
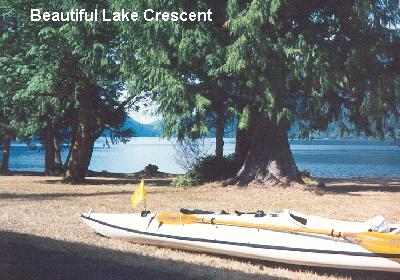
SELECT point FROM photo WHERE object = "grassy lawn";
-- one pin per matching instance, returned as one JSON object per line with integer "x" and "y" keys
{"x": 43, "y": 237}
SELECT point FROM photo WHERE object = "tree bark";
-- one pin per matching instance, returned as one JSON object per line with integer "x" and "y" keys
{"x": 242, "y": 145}
{"x": 6, "y": 154}
{"x": 269, "y": 159}
{"x": 49, "y": 167}
{"x": 219, "y": 127}
{"x": 86, "y": 133}
{"x": 58, "y": 166}
{"x": 72, "y": 143}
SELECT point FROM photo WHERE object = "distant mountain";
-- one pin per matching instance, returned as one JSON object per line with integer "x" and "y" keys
{"x": 142, "y": 130}
{"x": 152, "y": 130}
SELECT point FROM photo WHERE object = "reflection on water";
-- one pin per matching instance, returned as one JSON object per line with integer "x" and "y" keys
{"x": 324, "y": 158}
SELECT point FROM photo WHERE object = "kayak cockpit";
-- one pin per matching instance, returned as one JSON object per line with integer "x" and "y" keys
{"x": 375, "y": 224}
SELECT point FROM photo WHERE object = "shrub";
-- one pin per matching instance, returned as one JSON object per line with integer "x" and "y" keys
{"x": 183, "y": 181}
{"x": 208, "y": 169}
{"x": 211, "y": 168}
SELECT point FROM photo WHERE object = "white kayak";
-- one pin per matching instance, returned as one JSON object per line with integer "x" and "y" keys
{"x": 263, "y": 244}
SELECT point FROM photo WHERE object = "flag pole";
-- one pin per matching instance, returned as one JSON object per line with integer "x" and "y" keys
{"x": 144, "y": 199}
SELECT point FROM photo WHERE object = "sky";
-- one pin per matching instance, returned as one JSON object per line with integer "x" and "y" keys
{"x": 144, "y": 115}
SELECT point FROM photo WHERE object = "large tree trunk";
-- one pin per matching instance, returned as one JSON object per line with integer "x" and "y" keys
{"x": 52, "y": 154}
{"x": 6, "y": 154}
{"x": 72, "y": 143}
{"x": 242, "y": 145}
{"x": 58, "y": 166}
{"x": 49, "y": 167}
{"x": 81, "y": 155}
{"x": 219, "y": 127}
{"x": 269, "y": 159}
{"x": 86, "y": 133}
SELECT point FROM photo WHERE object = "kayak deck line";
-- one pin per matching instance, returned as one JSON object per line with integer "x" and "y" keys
{"x": 375, "y": 242}
{"x": 249, "y": 245}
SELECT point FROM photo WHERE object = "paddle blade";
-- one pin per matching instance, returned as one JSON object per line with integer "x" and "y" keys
{"x": 379, "y": 243}
{"x": 177, "y": 219}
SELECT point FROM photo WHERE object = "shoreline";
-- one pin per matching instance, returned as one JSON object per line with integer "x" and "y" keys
{"x": 141, "y": 175}
{"x": 322, "y": 158}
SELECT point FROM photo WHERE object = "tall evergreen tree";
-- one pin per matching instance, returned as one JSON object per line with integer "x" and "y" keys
{"x": 69, "y": 79}
{"x": 97, "y": 87}
{"x": 178, "y": 62}
{"x": 10, "y": 66}
{"x": 36, "y": 75}
{"x": 290, "y": 61}
{"x": 312, "y": 62}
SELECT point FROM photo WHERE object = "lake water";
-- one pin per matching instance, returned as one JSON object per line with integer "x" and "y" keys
{"x": 323, "y": 158}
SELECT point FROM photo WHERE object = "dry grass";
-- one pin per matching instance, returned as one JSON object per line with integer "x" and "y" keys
{"x": 42, "y": 213}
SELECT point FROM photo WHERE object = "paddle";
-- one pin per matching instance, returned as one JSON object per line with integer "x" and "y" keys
{"x": 379, "y": 243}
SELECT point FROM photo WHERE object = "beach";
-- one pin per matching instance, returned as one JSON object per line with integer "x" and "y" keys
{"x": 42, "y": 235}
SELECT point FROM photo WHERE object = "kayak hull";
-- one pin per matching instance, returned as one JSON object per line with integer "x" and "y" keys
{"x": 301, "y": 249}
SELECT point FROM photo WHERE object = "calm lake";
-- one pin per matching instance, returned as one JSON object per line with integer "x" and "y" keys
{"x": 323, "y": 158}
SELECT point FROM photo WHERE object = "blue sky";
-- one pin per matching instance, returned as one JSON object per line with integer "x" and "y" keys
{"x": 145, "y": 115}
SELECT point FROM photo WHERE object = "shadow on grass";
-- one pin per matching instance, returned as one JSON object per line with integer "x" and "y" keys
{"x": 116, "y": 181}
{"x": 21, "y": 173}
{"x": 50, "y": 196}
{"x": 106, "y": 178}
{"x": 24, "y": 256}
{"x": 149, "y": 182}
{"x": 361, "y": 185}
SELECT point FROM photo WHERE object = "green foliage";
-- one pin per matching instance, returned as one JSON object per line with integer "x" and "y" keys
{"x": 178, "y": 63}
{"x": 208, "y": 169}
{"x": 212, "y": 168}
{"x": 244, "y": 118}
{"x": 309, "y": 63}
{"x": 183, "y": 181}
{"x": 52, "y": 73}
{"x": 325, "y": 63}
